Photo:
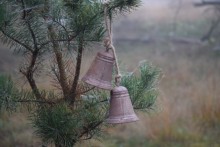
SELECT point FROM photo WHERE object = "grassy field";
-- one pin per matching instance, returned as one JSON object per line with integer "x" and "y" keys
{"x": 187, "y": 112}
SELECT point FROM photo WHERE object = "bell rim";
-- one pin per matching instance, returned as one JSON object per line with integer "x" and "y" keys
{"x": 108, "y": 52}
{"x": 124, "y": 119}
{"x": 105, "y": 86}
{"x": 102, "y": 55}
{"x": 118, "y": 89}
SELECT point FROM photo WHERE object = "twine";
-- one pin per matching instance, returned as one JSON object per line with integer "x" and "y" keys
{"x": 108, "y": 43}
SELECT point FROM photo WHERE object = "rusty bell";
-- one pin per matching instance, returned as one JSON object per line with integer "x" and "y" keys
{"x": 100, "y": 72}
{"x": 121, "y": 109}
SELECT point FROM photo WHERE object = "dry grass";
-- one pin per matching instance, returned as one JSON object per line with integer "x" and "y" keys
{"x": 188, "y": 109}
{"x": 16, "y": 131}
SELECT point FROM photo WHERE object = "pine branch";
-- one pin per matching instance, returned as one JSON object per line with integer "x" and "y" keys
{"x": 17, "y": 41}
{"x": 72, "y": 37}
{"x": 141, "y": 86}
{"x": 32, "y": 34}
{"x": 56, "y": 40}
{"x": 27, "y": 21}
{"x": 58, "y": 54}
{"x": 8, "y": 93}
{"x": 67, "y": 34}
{"x": 90, "y": 128}
{"x": 60, "y": 62}
{"x": 35, "y": 101}
{"x": 30, "y": 74}
{"x": 122, "y": 5}
{"x": 83, "y": 92}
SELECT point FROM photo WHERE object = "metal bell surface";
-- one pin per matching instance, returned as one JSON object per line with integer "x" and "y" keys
{"x": 121, "y": 109}
{"x": 100, "y": 72}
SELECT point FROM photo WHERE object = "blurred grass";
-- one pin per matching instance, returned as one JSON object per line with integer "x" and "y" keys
{"x": 189, "y": 100}
{"x": 15, "y": 130}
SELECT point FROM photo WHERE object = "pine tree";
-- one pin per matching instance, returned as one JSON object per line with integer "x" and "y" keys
{"x": 47, "y": 32}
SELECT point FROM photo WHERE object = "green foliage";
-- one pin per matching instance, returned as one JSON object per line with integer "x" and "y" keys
{"x": 16, "y": 33}
{"x": 32, "y": 3}
{"x": 142, "y": 86}
{"x": 2, "y": 14}
{"x": 55, "y": 124}
{"x": 7, "y": 93}
{"x": 70, "y": 18}
{"x": 65, "y": 125}
{"x": 85, "y": 19}
{"x": 124, "y": 5}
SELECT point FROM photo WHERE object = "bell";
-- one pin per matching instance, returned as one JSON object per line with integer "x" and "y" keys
{"x": 100, "y": 72}
{"x": 121, "y": 109}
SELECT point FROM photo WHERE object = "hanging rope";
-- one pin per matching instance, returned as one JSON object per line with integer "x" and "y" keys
{"x": 109, "y": 44}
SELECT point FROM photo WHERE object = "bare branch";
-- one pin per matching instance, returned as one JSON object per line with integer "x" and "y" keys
{"x": 29, "y": 26}
{"x": 32, "y": 34}
{"x": 205, "y": 3}
{"x": 86, "y": 91}
{"x": 90, "y": 128}
{"x": 67, "y": 34}
{"x": 214, "y": 25}
{"x": 56, "y": 40}
{"x": 35, "y": 101}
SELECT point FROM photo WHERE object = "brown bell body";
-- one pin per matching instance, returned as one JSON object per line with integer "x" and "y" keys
{"x": 100, "y": 72}
{"x": 121, "y": 109}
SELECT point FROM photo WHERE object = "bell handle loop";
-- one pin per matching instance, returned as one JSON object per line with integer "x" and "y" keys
{"x": 109, "y": 45}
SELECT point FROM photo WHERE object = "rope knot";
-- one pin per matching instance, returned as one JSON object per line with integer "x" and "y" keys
{"x": 118, "y": 79}
{"x": 107, "y": 43}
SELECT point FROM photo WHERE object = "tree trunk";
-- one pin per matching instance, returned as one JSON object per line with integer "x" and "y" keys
{"x": 77, "y": 71}
{"x": 59, "y": 58}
